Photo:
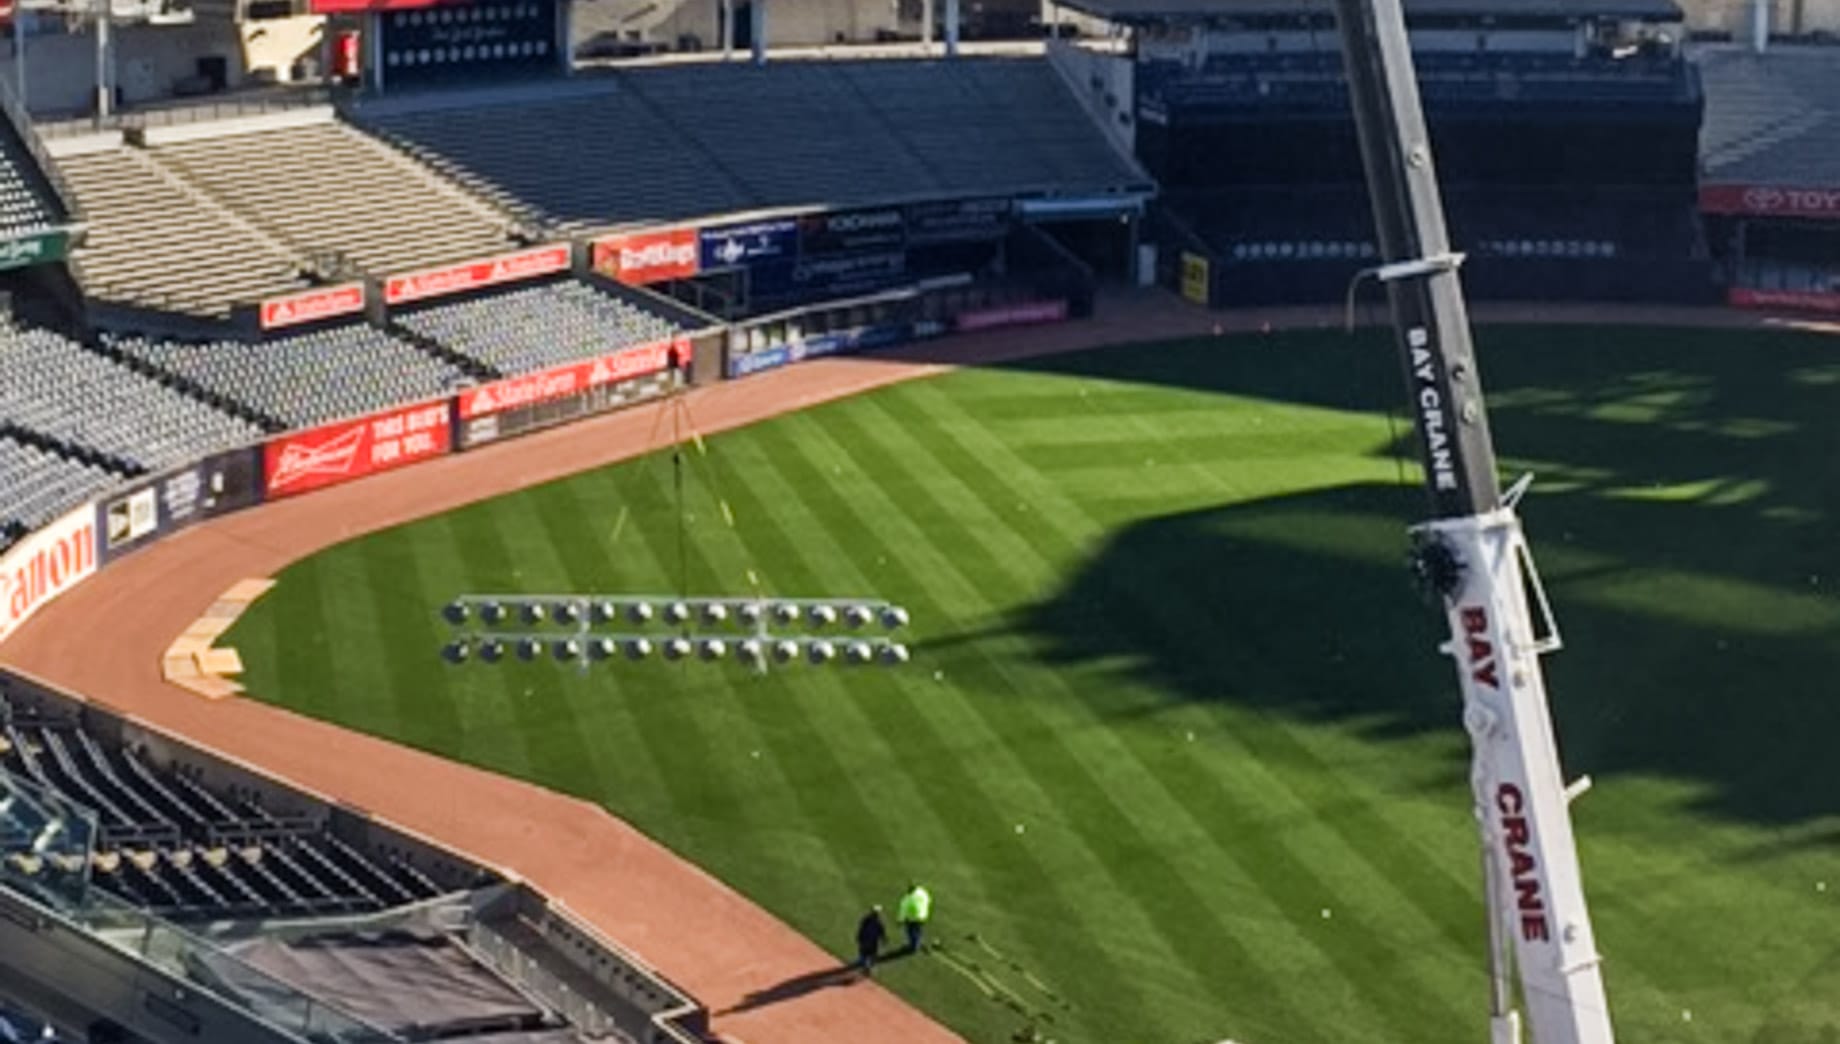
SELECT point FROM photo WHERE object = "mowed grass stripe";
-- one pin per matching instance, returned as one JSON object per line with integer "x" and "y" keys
{"x": 1149, "y": 791}
{"x": 966, "y": 450}
{"x": 822, "y": 789}
{"x": 1036, "y": 876}
{"x": 1165, "y": 903}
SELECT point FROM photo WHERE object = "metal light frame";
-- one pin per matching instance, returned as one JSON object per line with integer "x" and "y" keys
{"x": 756, "y": 631}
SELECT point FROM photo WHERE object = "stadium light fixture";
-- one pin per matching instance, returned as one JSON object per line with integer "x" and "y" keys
{"x": 756, "y": 632}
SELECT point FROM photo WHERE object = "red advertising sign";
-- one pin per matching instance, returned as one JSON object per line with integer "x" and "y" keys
{"x": 341, "y": 6}
{"x": 326, "y": 456}
{"x": 313, "y": 305}
{"x": 46, "y": 564}
{"x": 1770, "y": 201}
{"x": 1013, "y": 315}
{"x": 572, "y": 378}
{"x": 475, "y": 275}
{"x": 648, "y": 257}
{"x": 1797, "y": 300}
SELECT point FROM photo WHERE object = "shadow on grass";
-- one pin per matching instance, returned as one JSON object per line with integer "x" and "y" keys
{"x": 1682, "y": 521}
{"x": 1300, "y": 606}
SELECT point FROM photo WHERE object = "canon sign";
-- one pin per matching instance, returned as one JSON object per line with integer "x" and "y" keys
{"x": 46, "y": 564}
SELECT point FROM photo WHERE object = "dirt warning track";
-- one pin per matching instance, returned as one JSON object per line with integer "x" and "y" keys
{"x": 105, "y": 638}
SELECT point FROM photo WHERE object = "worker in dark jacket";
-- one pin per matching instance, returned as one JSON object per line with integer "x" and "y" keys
{"x": 870, "y": 931}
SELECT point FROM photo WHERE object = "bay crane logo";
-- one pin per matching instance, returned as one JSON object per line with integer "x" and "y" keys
{"x": 299, "y": 462}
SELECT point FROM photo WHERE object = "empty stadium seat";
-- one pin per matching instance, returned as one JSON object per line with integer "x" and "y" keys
{"x": 538, "y": 327}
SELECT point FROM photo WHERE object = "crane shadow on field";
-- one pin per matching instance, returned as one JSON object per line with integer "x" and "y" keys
{"x": 1682, "y": 527}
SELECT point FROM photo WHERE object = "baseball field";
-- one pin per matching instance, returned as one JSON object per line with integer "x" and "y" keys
{"x": 1176, "y": 754}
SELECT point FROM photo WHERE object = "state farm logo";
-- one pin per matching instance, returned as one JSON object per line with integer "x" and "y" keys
{"x": 334, "y": 457}
{"x": 1762, "y": 198}
{"x": 522, "y": 392}
{"x": 317, "y": 304}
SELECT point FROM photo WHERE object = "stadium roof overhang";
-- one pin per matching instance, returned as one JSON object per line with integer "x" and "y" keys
{"x": 1168, "y": 12}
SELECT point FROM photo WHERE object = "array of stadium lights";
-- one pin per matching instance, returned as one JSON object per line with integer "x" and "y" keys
{"x": 757, "y": 632}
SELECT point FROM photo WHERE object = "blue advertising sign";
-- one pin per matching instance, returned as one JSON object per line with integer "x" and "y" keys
{"x": 733, "y": 246}
{"x": 835, "y": 342}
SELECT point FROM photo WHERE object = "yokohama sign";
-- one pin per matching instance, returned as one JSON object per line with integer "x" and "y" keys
{"x": 312, "y": 306}
{"x": 476, "y": 275}
{"x": 1771, "y": 201}
{"x": 571, "y": 379}
{"x": 648, "y": 257}
{"x": 326, "y": 456}
{"x": 46, "y": 564}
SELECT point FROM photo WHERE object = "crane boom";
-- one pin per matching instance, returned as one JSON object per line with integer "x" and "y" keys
{"x": 1473, "y": 554}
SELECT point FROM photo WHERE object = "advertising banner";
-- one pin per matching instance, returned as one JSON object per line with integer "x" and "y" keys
{"x": 835, "y": 342}
{"x": 732, "y": 246}
{"x": 1013, "y": 315}
{"x": 963, "y": 221}
{"x": 647, "y": 257}
{"x": 328, "y": 455}
{"x": 39, "y": 249}
{"x": 427, "y": 43}
{"x": 1796, "y": 300}
{"x": 1771, "y": 201}
{"x": 811, "y": 278}
{"x": 46, "y": 564}
{"x": 571, "y": 378}
{"x": 162, "y": 504}
{"x": 509, "y": 420}
{"x": 852, "y": 232}
{"x": 476, "y": 275}
{"x": 1195, "y": 278}
{"x": 324, "y": 302}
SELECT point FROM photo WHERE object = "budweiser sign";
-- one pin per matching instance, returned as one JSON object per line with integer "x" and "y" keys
{"x": 313, "y": 305}
{"x": 572, "y": 378}
{"x": 46, "y": 564}
{"x": 648, "y": 257}
{"x": 475, "y": 275}
{"x": 1770, "y": 200}
{"x": 326, "y": 456}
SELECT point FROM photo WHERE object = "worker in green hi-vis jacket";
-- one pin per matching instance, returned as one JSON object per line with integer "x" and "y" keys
{"x": 916, "y": 906}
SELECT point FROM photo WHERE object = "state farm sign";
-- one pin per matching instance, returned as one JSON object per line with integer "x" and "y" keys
{"x": 572, "y": 378}
{"x": 324, "y": 303}
{"x": 335, "y": 453}
{"x": 476, "y": 275}
{"x": 45, "y": 565}
{"x": 648, "y": 257}
{"x": 1771, "y": 201}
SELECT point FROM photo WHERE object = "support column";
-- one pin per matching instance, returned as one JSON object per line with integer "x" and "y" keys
{"x": 726, "y": 30}
{"x": 757, "y": 12}
{"x": 105, "y": 88}
{"x": 951, "y": 28}
{"x": 926, "y": 25}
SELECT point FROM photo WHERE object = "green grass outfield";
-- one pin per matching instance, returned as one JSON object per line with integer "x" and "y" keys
{"x": 1173, "y": 697}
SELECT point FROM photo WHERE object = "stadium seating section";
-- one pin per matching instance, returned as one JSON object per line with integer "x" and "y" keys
{"x": 26, "y": 205}
{"x": 92, "y": 406}
{"x": 1774, "y": 119}
{"x": 156, "y": 243}
{"x": 38, "y": 485}
{"x": 299, "y": 184}
{"x": 538, "y": 327}
{"x": 669, "y": 142}
{"x": 304, "y": 380}
{"x": 169, "y": 844}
